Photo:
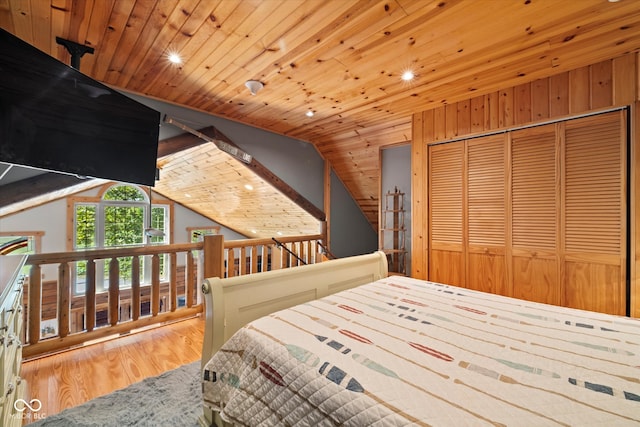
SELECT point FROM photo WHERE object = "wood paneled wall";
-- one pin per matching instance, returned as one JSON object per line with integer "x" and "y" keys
{"x": 600, "y": 86}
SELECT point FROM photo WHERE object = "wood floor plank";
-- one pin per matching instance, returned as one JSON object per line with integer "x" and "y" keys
{"x": 68, "y": 379}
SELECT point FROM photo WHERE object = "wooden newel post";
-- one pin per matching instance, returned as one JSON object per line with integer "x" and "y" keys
{"x": 213, "y": 256}
{"x": 324, "y": 232}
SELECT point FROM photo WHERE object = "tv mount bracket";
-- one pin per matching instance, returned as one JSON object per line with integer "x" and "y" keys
{"x": 75, "y": 49}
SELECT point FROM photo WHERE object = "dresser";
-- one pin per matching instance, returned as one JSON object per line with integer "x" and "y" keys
{"x": 11, "y": 324}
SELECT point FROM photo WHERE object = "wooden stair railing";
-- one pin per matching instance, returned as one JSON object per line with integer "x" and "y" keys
{"x": 210, "y": 257}
{"x": 65, "y": 337}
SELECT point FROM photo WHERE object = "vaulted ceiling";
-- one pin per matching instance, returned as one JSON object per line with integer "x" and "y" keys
{"x": 340, "y": 59}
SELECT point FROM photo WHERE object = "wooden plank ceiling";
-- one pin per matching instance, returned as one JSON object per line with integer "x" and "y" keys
{"x": 341, "y": 59}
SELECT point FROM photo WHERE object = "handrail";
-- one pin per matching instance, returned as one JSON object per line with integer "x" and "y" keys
{"x": 165, "y": 300}
{"x": 267, "y": 241}
{"x": 117, "y": 252}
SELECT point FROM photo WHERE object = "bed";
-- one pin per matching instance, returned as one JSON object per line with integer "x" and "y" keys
{"x": 343, "y": 343}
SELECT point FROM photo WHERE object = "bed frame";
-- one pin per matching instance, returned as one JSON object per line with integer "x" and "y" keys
{"x": 232, "y": 303}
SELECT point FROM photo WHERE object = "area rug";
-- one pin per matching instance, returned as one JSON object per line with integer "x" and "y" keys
{"x": 171, "y": 399}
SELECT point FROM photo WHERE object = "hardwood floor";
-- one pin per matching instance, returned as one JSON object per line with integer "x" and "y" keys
{"x": 68, "y": 379}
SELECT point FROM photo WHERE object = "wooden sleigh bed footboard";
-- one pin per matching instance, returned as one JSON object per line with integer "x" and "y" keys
{"x": 233, "y": 302}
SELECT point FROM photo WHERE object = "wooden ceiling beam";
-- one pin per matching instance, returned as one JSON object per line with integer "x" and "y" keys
{"x": 179, "y": 143}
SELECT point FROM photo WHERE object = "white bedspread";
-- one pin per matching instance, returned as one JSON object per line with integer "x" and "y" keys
{"x": 401, "y": 351}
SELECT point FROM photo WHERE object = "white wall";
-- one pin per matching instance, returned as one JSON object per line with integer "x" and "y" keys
{"x": 50, "y": 218}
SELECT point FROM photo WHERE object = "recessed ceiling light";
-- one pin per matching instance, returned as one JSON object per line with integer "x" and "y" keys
{"x": 279, "y": 233}
{"x": 174, "y": 58}
{"x": 248, "y": 187}
{"x": 408, "y": 75}
{"x": 187, "y": 195}
{"x": 254, "y": 231}
{"x": 309, "y": 113}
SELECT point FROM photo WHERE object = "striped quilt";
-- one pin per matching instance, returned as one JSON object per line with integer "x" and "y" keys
{"x": 401, "y": 351}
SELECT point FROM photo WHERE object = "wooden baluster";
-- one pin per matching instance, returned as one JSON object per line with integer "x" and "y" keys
{"x": 276, "y": 257}
{"x": 189, "y": 274}
{"x": 311, "y": 253}
{"x": 284, "y": 258}
{"x": 90, "y": 296}
{"x": 317, "y": 257}
{"x": 155, "y": 285}
{"x": 265, "y": 258}
{"x": 239, "y": 268}
{"x": 302, "y": 254}
{"x": 254, "y": 259}
{"x": 64, "y": 278}
{"x": 135, "y": 287}
{"x": 35, "y": 303}
{"x": 231, "y": 262}
{"x": 242, "y": 265}
{"x": 173, "y": 279}
{"x": 114, "y": 291}
{"x": 292, "y": 261}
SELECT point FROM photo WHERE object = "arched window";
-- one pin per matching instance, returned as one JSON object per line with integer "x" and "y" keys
{"x": 21, "y": 242}
{"x": 118, "y": 219}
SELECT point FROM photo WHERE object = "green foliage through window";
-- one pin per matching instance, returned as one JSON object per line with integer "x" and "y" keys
{"x": 124, "y": 193}
{"x": 85, "y": 226}
{"x": 123, "y": 225}
{"x": 119, "y": 220}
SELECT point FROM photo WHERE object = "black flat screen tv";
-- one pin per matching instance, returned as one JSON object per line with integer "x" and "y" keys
{"x": 55, "y": 118}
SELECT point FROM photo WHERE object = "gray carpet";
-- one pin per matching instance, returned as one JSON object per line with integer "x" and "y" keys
{"x": 171, "y": 399}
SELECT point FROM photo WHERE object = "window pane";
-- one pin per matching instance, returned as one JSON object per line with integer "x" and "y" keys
{"x": 16, "y": 245}
{"x": 197, "y": 234}
{"x": 85, "y": 226}
{"x": 81, "y": 276}
{"x": 158, "y": 219}
{"x": 124, "y": 193}
{"x": 123, "y": 226}
{"x": 125, "y": 270}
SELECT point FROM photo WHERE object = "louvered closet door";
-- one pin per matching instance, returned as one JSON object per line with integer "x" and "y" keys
{"x": 594, "y": 221}
{"x": 538, "y": 214}
{"x": 535, "y": 212}
{"x": 446, "y": 213}
{"x": 486, "y": 204}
